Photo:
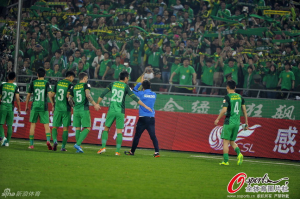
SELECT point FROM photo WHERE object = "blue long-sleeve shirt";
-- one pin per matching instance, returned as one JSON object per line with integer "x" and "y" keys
{"x": 148, "y": 98}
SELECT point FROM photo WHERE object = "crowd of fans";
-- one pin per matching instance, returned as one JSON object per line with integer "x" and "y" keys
{"x": 204, "y": 42}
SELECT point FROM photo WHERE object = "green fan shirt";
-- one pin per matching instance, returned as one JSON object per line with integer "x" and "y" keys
{"x": 234, "y": 70}
{"x": 207, "y": 76}
{"x": 286, "y": 79}
{"x": 103, "y": 66}
{"x": 185, "y": 75}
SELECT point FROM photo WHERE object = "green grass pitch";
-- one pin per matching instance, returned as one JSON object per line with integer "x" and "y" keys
{"x": 90, "y": 175}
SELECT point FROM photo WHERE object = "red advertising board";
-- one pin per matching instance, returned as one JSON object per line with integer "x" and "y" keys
{"x": 271, "y": 138}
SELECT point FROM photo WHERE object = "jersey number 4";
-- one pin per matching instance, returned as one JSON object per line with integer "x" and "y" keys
{"x": 117, "y": 95}
{"x": 236, "y": 108}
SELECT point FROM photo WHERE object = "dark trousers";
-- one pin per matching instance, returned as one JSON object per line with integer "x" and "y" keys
{"x": 208, "y": 90}
{"x": 145, "y": 123}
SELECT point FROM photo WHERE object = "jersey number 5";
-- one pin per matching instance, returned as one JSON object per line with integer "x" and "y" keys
{"x": 78, "y": 96}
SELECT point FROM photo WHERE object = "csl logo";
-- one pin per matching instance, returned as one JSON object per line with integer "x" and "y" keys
{"x": 240, "y": 178}
{"x": 216, "y": 142}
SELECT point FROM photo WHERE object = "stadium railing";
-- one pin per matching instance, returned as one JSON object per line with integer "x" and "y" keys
{"x": 168, "y": 87}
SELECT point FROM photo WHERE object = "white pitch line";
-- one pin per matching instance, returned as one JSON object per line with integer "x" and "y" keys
{"x": 87, "y": 147}
{"x": 199, "y": 156}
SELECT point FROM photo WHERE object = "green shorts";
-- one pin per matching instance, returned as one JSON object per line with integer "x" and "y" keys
{"x": 62, "y": 118}
{"x": 112, "y": 116}
{"x": 82, "y": 119}
{"x": 43, "y": 115}
{"x": 230, "y": 131}
{"x": 7, "y": 116}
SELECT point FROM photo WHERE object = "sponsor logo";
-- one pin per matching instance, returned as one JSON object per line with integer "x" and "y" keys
{"x": 216, "y": 142}
{"x": 149, "y": 96}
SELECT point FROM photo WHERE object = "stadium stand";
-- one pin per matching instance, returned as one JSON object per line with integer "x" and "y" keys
{"x": 254, "y": 42}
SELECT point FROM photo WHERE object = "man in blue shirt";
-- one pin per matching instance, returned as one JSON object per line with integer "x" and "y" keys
{"x": 146, "y": 119}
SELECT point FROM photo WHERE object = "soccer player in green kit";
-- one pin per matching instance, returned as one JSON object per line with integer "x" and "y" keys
{"x": 119, "y": 90}
{"x": 79, "y": 99}
{"x": 39, "y": 107}
{"x": 8, "y": 91}
{"x": 62, "y": 111}
{"x": 232, "y": 105}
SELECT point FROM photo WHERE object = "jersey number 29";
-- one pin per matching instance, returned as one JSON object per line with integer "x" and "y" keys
{"x": 117, "y": 95}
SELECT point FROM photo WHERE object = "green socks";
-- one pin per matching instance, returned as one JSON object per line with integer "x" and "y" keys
{"x": 237, "y": 150}
{"x": 77, "y": 135}
{"x": 83, "y": 135}
{"x": 226, "y": 157}
{"x": 1, "y": 131}
{"x": 31, "y": 138}
{"x": 54, "y": 134}
{"x": 119, "y": 142}
{"x": 64, "y": 139}
{"x": 104, "y": 138}
{"x": 9, "y": 133}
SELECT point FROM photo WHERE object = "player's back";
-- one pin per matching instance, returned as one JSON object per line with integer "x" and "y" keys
{"x": 39, "y": 88}
{"x": 61, "y": 90}
{"x": 119, "y": 91}
{"x": 7, "y": 91}
{"x": 80, "y": 100}
{"x": 234, "y": 103}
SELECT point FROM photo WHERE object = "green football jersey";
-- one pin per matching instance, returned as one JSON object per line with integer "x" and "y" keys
{"x": 233, "y": 102}
{"x": 78, "y": 93}
{"x": 40, "y": 89}
{"x": 119, "y": 91}
{"x": 7, "y": 92}
{"x": 61, "y": 90}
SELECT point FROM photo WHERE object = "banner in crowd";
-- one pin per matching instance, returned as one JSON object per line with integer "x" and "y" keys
{"x": 271, "y": 138}
{"x": 263, "y": 108}
{"x": 276, "y": 12}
